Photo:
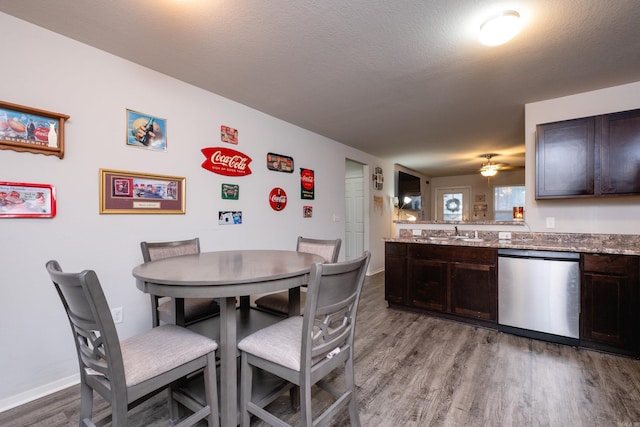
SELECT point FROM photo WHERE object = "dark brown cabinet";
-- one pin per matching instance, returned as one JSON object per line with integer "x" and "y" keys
{"x": 395, "y": 272}
{"x": 453, "y": 280}
{"x": 589, "y": 157}
{"x": 609, "y": 315}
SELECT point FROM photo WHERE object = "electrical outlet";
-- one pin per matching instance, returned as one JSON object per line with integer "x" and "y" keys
{"x": 551, "y": 222}
{"x": 417, "y": 232}
{"x": 504, "y": 235}
{"x": 117, "y": 314}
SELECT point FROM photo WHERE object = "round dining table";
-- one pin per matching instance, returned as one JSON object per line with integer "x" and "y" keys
{"x": 227, "y": 275}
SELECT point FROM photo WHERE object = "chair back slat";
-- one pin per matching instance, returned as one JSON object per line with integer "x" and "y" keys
{"x": 331, "y": 307}
{"x": 153, "y": 251}
{"x": 327, "y": 249}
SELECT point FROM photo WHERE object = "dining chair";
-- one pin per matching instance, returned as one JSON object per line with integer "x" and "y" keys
{"x": 192, "y": 310}
{"x": 126, "y": 373}
{"x": 304, "y": 349}
{"x": 278, "y": 302}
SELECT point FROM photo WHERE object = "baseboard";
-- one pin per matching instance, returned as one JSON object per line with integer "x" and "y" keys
{"x": 38, "y": 392}
{"x": 371, "y": 273}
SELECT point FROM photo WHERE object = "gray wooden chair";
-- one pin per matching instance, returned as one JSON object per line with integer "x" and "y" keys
{"x": 125, "y": 373}
{"x": 279, "y": 302}
{"x": 305, "y": 349}
{"x": 188, "y": 311}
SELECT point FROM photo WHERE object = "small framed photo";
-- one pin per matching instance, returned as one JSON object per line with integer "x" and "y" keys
{"x": 229, "y": 217}
{"x": 124, "y": 192}
{"x": 23, "y": 200}
{"x": 146, "y": 131}
{"x": 30, "y": 130}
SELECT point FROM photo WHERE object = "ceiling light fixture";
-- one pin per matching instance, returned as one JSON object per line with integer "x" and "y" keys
{"x": 488, "y": 169}
{"x": 500, "y": 28}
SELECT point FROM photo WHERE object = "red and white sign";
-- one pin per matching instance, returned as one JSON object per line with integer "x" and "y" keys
{"x": 307, "y": 181}
{"x": 277, "y": 199}
{"x": 225, "y": 161}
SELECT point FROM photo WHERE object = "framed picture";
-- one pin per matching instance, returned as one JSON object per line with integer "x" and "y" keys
{"x": 229, "y": 217}
{"x": 22, "y": 200}
{"x": 124, "y": 192}
{"x": 230, "y": 191}
{"x": 146, "y": 131}
{"x": 30, "y": 130}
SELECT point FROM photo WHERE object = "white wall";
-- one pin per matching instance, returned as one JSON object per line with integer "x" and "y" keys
{"x": 50, "y": 72}
{"x": 616, "y": 215}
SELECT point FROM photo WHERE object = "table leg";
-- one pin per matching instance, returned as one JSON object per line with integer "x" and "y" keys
{"x": 228, "y": 367}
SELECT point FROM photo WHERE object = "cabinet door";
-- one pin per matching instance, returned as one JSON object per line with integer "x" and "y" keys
{"x": 609, "y": 301}
{"x": 427, "y": 283}
{"x": 395, "y": 270}
{"x": 474, "y": 291}
{"x": 565, "y": 159}
{"x": 619, "y": 153}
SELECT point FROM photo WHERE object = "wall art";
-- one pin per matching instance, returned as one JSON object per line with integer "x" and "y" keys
{"x": 146, "y": 131}
{"x": 24, "y": 200}
{"x": 378, "y": 178}
{"x": 307, "y": 211}
{"x": 225, "y": 161}
{"x": 31, "y": 130}
{"x": 229, "y": 135}
{"x": 279, "y": 163}
{"x": 307, "y": 184}
{"x": 229, "y": 217}
{"x": 124, "y": 192}
{"x": 277, "y": 199}
{"x": 230, "y": 191}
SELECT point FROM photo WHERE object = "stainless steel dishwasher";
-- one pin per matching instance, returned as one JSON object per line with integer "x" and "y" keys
{"x": 539, "y": 294}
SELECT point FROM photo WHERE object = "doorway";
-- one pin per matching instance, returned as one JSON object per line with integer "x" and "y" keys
{"x": 354, "y": 209}
{"x": 452, "y": 203}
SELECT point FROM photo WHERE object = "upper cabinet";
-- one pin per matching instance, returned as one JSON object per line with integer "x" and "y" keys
{"x": 589, "y": 157}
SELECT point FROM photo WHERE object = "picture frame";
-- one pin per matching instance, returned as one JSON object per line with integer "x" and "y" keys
{"x": 279, "y": 163}
{"x": 146, "y": 131}
{"x": 27, "y": 200}
{"x": 123, "y": 192}
{"x": 31, "y": 130}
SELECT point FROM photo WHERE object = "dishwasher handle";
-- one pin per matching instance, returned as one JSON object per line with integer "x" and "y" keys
{"x": 532, "y": 253}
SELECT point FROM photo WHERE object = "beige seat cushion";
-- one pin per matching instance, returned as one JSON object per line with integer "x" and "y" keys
{"x": 160, "y": 350}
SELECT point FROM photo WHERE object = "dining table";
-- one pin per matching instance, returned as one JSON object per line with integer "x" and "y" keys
{"x": 229, "y": 276}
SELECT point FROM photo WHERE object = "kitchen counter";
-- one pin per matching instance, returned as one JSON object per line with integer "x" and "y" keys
{"x": 620, "y": 244}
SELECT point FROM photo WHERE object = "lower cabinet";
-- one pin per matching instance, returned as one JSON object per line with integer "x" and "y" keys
{"x": 453, "y": 280}
{"x": 395, "y": 272}
{"x": 610, "y": 296}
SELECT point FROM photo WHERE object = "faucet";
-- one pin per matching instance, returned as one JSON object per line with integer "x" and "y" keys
{"x": 456, "y": 228}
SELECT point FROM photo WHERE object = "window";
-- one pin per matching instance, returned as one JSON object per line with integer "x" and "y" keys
{"x": 504, "y": 199}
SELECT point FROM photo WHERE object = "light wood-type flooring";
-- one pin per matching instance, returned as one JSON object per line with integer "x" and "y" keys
{"x": 416, "y": 370}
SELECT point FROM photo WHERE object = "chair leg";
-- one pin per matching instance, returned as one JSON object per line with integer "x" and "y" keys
{"x": 211, "y": 390}
{"x": 246, "y": 378}
{"x": 174, "y": 407}
{"x": 306, "y": 413}
{"x": 350, "y": 385}
{"x": 86, "y": 403}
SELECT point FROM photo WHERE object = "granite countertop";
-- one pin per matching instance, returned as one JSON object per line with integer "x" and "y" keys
{"x": 621, "y": 244}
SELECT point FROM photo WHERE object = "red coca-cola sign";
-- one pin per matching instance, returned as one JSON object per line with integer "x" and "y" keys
{"x": 306, "y": 178}
{"x": 277, "y": 199}
{"x": 225, "y": 161}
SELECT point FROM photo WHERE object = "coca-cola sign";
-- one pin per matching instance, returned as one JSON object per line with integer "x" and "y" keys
{"x": 225, "y": 161}
{"x": 277, "y": 199}
{"x": 307, "y": 180}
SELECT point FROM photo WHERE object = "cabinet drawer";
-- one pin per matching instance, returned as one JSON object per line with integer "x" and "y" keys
{"x": 609, "y": 264}
{"x": 395, "y": 249}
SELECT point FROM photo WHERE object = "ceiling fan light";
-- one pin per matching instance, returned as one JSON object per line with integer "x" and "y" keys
{"x": 500, "y": 28}
{"x": 489, "y": 171}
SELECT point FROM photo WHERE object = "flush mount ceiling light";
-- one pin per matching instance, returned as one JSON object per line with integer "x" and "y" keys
{"x": 488, "y": 169}
{"x": 500, "y": 28}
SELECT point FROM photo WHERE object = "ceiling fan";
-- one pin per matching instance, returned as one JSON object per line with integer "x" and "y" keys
{"x": 490, "y": 168}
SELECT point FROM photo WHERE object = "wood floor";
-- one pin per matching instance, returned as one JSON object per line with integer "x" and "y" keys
{"x": 415, "y": 370}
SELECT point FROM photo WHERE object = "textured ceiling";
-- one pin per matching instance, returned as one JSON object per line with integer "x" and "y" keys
{"x": 403, "y": 80}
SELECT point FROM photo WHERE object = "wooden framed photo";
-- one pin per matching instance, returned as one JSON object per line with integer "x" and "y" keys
{"x": 124, "y": 192}
{"x": 31, "y": 130}
{"x": 23, "y": 200}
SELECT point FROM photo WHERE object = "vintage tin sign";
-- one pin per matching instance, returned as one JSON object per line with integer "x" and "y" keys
{"x": 225, "y": 161}
{"x": 307, "y": 184}
{"x": 277, "y": 199}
